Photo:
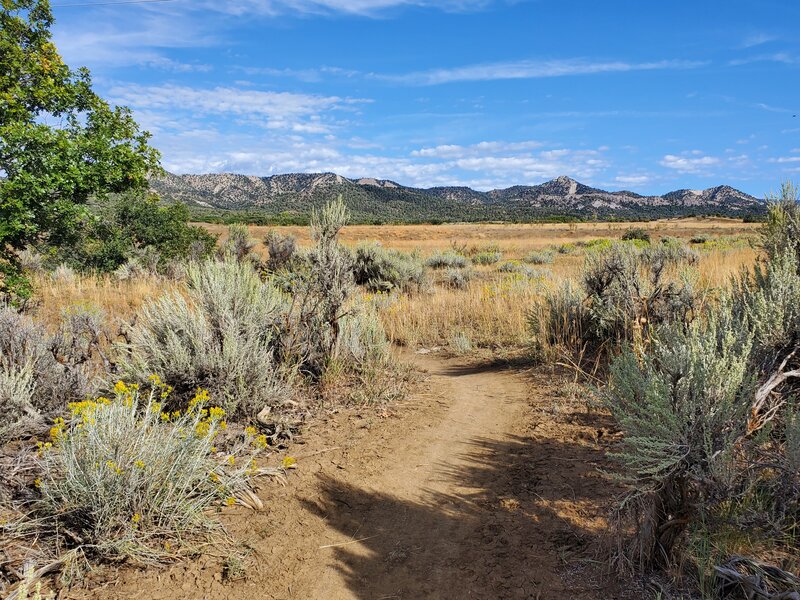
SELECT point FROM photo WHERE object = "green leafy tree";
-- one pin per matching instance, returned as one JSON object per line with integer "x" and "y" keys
{"x": 131, "y": 223}
{"x": 60, "y": 143}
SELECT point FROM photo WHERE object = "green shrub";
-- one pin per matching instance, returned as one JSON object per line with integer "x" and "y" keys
{"x": 281, "y": 250}
{"x": 781, "y": 232}
{"x": 362, "y": 340}
{"x": 636, "y": 233}
{"x": 129, "y": 227}
{"x": 447, "y": 260}
{"x": 384, "y": 270}
{"x": 626, "y": 293}
{"x": 222, "y": 335}
{"x": 681, "y": 407}
{"x": 567, "y": 248}
{"x": 128, "y": 480}
{"x": 597, "y": 244}
{"x": 321, "y": 294}
{"x": 523, "y": 271}
{"x": 460, "y": 343}
{"x": 539, "y": 258}
{"x": 487, "y": 258}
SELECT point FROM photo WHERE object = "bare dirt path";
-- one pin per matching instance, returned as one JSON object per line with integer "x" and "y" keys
{"x": 483, "y": 484}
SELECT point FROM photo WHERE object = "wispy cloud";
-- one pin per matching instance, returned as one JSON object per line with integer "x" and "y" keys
{"x": 481, "y": 148}
{"x": 138, "y": 41}
{"x": 757, "y": 39}
{"x": 302, "y": 113}
{"x": 531, "y": 69}
{"x": 777, "y": 57}
{"x": 369, "y": 8}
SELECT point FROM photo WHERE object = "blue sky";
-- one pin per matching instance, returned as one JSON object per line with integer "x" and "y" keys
{"x": 647, "y": 96}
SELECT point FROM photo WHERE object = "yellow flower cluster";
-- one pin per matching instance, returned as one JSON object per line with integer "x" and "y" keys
{"x": 57, "y": 430}
{"x": 259, "y": 441}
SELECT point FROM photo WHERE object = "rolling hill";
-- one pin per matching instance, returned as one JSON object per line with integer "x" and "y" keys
{"x": 226, "y": 195}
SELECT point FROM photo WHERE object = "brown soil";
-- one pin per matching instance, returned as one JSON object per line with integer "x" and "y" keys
{"x": 483, "y": 484}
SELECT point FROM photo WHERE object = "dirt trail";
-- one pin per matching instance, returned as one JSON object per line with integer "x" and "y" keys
{"x": 482, "y": 485}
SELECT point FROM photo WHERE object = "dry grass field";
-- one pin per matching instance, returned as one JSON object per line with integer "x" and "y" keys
{"x": 513, "y": 239}
{"x": 490, "y": 312}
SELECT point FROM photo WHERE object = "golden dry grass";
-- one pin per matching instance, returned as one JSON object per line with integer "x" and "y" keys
{"x": 514, "y": 240}
{"x": 491, "y": 312}
{"x": 117, "y": 299}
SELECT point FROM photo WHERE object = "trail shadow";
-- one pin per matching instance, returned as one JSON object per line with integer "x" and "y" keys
{"x": 521, "y": 512}
{"x": 479, "y": 367}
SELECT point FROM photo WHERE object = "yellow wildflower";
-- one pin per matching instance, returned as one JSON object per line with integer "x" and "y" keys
{"x": 230, "y": 501}
{"x": 139, "y": 464}
{"x": 216, "y": 413}
{"x": 261, "y": 441}
{"x": 120, "y": 388}
{"x": 136, "y": 518}
{"x": 289, "y": 463}
{"x": 231, "y": 460}
{"x": 250, "y": 431}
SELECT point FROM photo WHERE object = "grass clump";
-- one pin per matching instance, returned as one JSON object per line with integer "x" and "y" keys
{"x": 127, "y": 479}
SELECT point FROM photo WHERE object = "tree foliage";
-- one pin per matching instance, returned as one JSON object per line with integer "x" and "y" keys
{"x": 60, "y": 143}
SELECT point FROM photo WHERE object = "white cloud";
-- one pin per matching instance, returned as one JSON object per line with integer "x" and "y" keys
{"x": 302, "y": 113}
{"x": 530, "y": 69}
{"x": 633, "y": 180}
{"x": 688, "y": 164}
{"x": 137, "y": 41}
{"x": 786, "y": 159}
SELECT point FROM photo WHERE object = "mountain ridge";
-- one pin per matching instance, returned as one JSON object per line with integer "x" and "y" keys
{"x": 384, "y": 199}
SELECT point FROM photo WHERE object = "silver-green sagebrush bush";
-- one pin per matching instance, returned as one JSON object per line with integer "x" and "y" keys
{"x": 382, "y": 269}
{"x": 447, "y": 259}
{"x": 41, "y": 371}
{"x": 682, "y": 406}
{"x": 221, "y": 335}
{"x": 320, "y": 295}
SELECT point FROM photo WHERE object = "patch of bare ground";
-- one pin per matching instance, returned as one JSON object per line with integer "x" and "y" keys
{"x": 484, "y": 483}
